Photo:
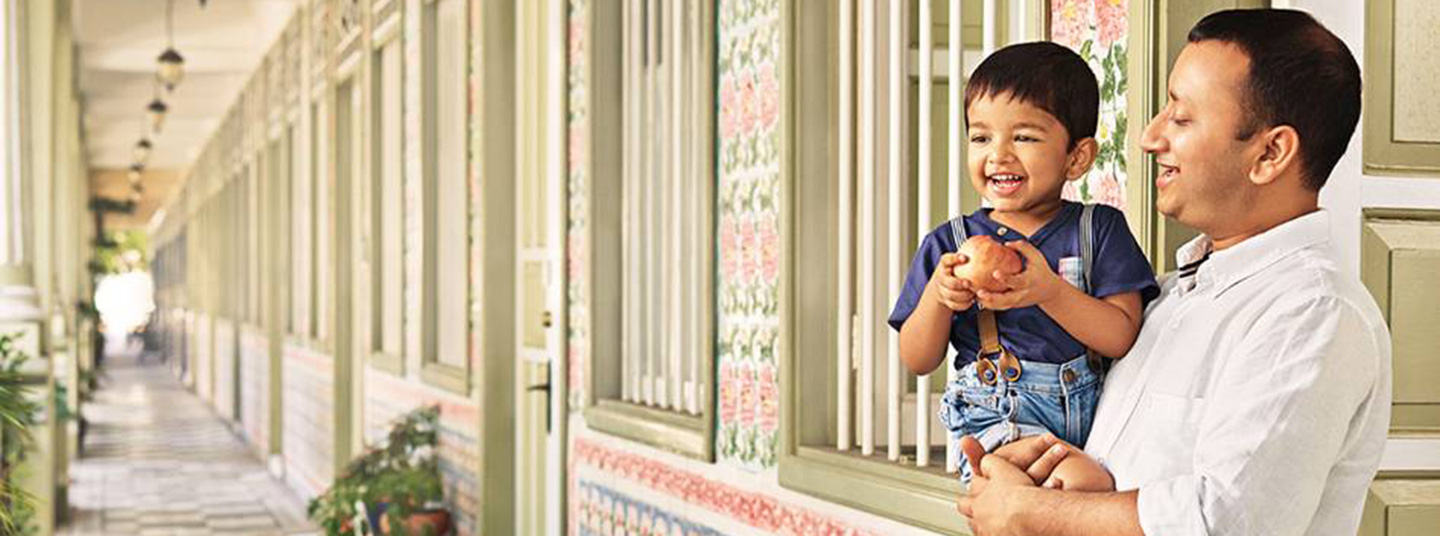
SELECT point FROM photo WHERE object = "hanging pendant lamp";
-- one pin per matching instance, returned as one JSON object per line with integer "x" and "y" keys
{"x": 156, "y": 112}
{"x": 142, "y": 151}
{"x": 172, "y": 64}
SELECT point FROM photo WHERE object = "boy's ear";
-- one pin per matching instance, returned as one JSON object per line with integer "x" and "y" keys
{"x": 1081, "y": 158}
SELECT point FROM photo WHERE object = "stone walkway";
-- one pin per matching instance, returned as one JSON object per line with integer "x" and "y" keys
{"x": 157, "y": 460}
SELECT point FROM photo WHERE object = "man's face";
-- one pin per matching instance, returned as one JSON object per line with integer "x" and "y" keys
{"x": 1202, "y": 177}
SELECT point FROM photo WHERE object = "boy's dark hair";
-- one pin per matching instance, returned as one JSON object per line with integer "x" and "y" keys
{"x": 1301, "y": 75}
{"x": 1044, "y": 75}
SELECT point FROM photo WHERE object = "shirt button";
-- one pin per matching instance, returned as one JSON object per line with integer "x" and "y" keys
{"x": 1002, "y": 231}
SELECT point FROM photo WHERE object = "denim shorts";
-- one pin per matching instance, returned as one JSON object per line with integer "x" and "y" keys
{"x": 1059, "y": 399}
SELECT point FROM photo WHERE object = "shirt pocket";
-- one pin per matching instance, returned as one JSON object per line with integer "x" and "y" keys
{"x": 1169, "y": 427}
{"x": 1072, "y": 270}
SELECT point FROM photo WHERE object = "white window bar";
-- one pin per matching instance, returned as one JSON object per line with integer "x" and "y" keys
{"x": 990, "y": 27}
{"x": 845, "y": 328}
{"x": 865, "y": 86}
{"x": 699, "y": 206}
{"x": 895, "y": 199}
{"x": 629, "y": 309}
{"x": 868, "y": 229}
{"x": 665, "y": 200}
{"x": 922, "y": 383}
{"x": 679, "y": 179}
{"x": 956, "y": 171}
{"x": 649, "y": 194}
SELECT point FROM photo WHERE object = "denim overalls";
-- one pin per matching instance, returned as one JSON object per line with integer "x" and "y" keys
{"x": 1046, "y": 397}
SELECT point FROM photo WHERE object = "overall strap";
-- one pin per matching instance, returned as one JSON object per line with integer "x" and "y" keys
{"x": 1099, "y": 365}
{"x": 1087, "y": 245}
{"x": 957, "y": 231}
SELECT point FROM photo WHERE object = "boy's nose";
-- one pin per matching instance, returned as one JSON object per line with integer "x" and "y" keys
{"x": 1002, "y": 153}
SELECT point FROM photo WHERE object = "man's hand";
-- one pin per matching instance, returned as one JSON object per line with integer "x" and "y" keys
{"x": 1035, "y": 285}
{"x": 952, "y": 292}
{"x": 997, "y": 496}
{"x": 988, "y": 505}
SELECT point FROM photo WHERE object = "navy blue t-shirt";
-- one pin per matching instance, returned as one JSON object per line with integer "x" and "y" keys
{"x": 1028, "y": 333}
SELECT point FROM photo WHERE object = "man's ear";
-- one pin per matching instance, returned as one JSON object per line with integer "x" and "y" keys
{"x": 1279, "y": 155}
{"x": 1081, "y": 158}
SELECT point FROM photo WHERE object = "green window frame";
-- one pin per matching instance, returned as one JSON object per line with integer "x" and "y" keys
{"x": 1384, "y": 150}
{"x": 387, "y": 199}
{"x": 445, "y": 59}
{"x": 605, "y": 408}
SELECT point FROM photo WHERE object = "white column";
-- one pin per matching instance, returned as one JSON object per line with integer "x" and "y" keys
{"x": 18, "y": 298}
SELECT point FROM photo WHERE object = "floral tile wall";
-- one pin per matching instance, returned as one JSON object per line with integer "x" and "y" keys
{"x": 748, "y": 201}
{"x": 1098, "y": 30}
{"x": 577, "y": 163}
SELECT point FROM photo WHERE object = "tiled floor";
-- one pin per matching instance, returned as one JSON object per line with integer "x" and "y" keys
{"x": 157, "y": 460}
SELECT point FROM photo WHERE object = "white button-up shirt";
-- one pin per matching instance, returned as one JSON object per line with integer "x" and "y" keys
{"x": 1256, "y": 399}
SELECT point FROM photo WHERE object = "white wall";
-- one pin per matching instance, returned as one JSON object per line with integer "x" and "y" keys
{"x": 1349, "y": 190}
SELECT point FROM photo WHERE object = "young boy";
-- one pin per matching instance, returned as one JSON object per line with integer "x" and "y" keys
{"x": 1031, "y": 114}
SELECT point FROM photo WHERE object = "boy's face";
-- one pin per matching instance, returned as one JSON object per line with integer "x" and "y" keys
{"x": 1018, "y": 155}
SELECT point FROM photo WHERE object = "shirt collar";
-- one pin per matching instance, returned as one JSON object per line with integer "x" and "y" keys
{"x": 1068, "y": 209}
{"x": 1225, "y": 268}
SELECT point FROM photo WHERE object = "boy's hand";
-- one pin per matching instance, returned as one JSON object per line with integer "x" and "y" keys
{"x": 952, "y": 292}
{"x": 1034, "y": 285}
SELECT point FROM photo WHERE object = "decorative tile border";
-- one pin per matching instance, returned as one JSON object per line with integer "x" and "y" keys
{"x": 755, "y": 509}
{"x": 603, "y": 511}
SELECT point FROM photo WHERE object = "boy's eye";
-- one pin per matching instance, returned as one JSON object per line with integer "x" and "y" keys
{"x": 979, "y": 138}
{"x": 1179, "y": 121}
{"x": 1026, "y": 138}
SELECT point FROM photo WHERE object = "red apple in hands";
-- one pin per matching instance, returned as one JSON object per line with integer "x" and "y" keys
{"x": 987, "y": 256}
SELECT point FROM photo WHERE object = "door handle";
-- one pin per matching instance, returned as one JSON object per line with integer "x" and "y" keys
{"x": 547, "y": 319}
{"x": 545, "y": 386}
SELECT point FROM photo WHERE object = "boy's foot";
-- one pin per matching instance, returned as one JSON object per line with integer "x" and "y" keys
{"x": 973, "y": 451}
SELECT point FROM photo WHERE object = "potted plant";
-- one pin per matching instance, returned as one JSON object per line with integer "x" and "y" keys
{"x": 393, "y": 488}
{"x": 17, "y": 415}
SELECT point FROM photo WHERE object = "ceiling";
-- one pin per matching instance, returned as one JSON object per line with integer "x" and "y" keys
{"x": 119, "y": 41}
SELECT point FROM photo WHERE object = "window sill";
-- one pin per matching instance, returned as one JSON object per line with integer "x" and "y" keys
{"x": 924, "y": 498}
{"x": 687, "y": 435}
{"x": 387, "y": 362}
{"x": 448, "y": 377}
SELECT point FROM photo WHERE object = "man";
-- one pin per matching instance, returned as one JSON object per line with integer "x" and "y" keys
{"x": 1257, "y": 397}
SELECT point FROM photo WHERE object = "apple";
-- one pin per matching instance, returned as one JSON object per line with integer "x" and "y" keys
{"x": 987, "y": 256}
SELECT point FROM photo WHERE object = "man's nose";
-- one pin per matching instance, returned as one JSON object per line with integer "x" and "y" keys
{"x": 1151, "y": 140}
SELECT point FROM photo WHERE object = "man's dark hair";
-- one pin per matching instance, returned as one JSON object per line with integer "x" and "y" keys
{"x": 1044, "y": 75}
{"x": 1301, "y": 75}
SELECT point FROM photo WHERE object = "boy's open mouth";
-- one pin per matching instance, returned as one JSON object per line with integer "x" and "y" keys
{"x": 1004, "y": 184}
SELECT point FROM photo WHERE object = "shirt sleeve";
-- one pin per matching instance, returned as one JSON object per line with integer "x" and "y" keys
{"x": 1274, "y": 427}
{"x": 1120, "y": 265}
{"x": 926, "y": 259}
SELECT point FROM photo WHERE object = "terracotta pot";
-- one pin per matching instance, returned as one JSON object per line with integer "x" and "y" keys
{"x": 431, "y": 522}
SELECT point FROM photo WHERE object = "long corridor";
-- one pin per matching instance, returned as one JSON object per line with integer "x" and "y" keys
{"x": 157, "y": 460}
